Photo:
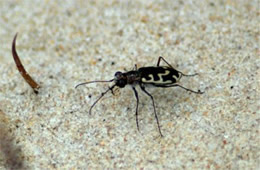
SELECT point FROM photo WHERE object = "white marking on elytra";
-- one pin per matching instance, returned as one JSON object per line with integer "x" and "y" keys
{"x": 177, "y": 78}
{"x": 160, "y": 81}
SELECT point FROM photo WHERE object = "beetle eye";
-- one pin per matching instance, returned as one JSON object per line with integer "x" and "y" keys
{"x": 118, "y": 74}
{"x": 121, "y": 83}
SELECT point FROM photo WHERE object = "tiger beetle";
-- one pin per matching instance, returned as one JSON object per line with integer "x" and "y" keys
{"x": 159, "y": 76}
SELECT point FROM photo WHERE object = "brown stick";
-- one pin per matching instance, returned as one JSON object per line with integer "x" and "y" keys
{"x": 21, "y": 69}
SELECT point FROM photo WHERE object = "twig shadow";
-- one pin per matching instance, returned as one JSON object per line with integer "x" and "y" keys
{"x": 11, "y": 154}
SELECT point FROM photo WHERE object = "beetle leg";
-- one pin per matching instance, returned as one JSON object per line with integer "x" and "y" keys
{"x": 136, "y": 111}
{"x": 155, "y": 114}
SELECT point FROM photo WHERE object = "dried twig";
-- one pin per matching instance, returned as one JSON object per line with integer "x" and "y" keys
{"x": 21, "y": 69}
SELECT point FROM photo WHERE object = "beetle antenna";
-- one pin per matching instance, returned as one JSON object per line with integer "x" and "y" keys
{"x": 98, "y": 81}
{"x": 102, "y": 94}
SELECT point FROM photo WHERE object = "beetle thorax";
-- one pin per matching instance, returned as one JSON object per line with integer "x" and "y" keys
{"x": 130, "y": 78}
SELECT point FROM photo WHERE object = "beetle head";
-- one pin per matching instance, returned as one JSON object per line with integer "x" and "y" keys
{"x": 120, "y": 79}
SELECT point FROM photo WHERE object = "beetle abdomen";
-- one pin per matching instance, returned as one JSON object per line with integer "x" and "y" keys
{"x": 159, "y": 75}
